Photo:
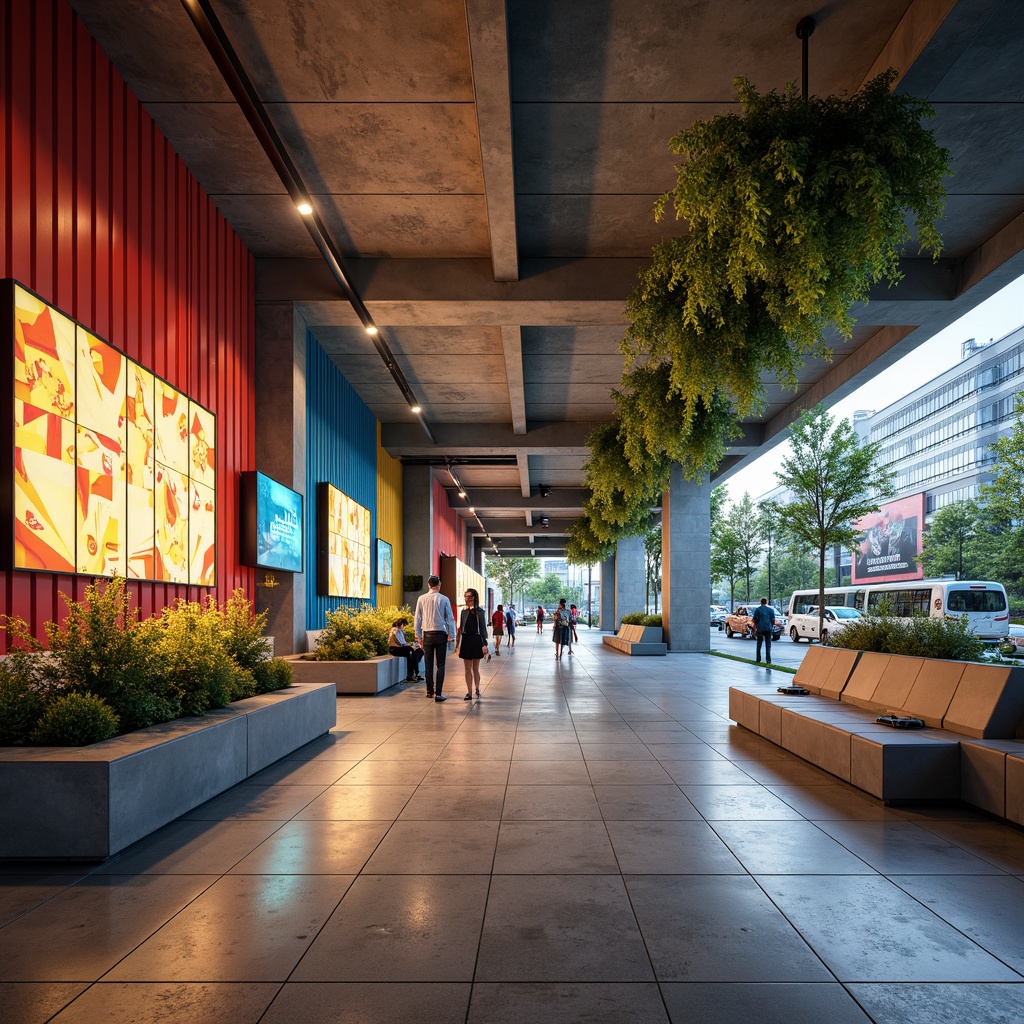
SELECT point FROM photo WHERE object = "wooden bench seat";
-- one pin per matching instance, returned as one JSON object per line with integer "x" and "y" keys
{"x": 637, "y": 641}
{"x": 969, "y": 749}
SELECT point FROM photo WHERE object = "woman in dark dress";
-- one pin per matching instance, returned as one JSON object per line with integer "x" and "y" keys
{"x": 471, "y": 641}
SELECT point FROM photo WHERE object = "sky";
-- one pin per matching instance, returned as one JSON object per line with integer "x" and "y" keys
{"x": 995, "y": 317}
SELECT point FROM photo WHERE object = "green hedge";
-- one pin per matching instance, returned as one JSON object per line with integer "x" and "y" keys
{"x": 641, "y": 619}
{"x": 107, "y": 672}
{"x": 919, "y": 637}
{"x": 358, "y": 634}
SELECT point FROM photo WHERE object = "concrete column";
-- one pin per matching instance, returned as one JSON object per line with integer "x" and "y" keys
{"x": 281, "y": 454}
{"x": 607, "y": 574}
{"x": 629, "y": 577}
{"x": 686, "y": 562}
{"x": 417, "y": 526}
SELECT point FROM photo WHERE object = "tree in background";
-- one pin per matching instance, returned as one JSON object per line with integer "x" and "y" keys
{"x": 1004, "y": 499}
{"x": 770, "y": 525}
{"x": 954, "y": 542}
{"x": 550, "y": 590}
{"x": 742, "y": 521}
{"x": 512, "y": 575}
{"x": 726, "y": 557}
{"x": 652, "y": 566}
{"x": 830, "y": 475}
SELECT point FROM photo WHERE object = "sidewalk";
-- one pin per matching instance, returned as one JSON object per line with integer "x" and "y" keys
{"x": 593, "y": 840}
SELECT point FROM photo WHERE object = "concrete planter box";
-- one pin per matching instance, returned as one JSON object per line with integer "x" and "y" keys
{"x": 89, "y": 803}
{"x": 351, "y": 677}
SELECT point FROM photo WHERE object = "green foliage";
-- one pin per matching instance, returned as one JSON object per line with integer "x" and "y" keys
{"x": 352, "y": 634}
{"x": 191, "y": 657}
{"x": 512, "y": 575}
{"x": 795, "y": 209}
{"x": 641, "y": 619}
{"x": 550, "y": 590}
{"x": 956, "y": 542}
{"x": 74, "y": 720}
{"x": 922, "y": 637}
{"x": 21, "y": 700}
{"x": 272, "y": 674}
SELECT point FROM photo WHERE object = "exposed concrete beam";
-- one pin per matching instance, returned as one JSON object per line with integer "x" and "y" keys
{"x": 563, "y": 501}
{"x": 523, "y": 465}
{"x": 917, "y": 26}
{"x": 512, "y": 350}
{"x": 550, "y": 292}
{"x": 488, "y": 47}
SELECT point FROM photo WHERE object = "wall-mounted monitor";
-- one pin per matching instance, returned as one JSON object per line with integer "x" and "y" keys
{"x": 343, "y": 544}
{"x": 272, "y": 522}
{"x": 385, "y": 563}
{"x": 112, "y": 469}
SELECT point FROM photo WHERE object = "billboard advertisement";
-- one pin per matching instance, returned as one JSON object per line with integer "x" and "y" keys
{"x": 889, "y": 543}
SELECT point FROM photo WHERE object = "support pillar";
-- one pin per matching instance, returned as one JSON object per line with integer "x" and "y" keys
{"x": 607, "y": 619}
{"x": 417, "y": 526}
{"x": 281, "y": 454}
{"x": 629, "y": 578}
{"x": 686, "y": 563}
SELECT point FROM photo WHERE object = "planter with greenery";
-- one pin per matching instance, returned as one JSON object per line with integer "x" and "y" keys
{"x": 122, "y": 726}
{"x": 352, "y": 651}
{"x": 795, "y": 208}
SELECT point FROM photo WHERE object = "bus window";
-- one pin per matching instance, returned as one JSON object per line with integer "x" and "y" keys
{"x": 975, "y": 601}
{"x": 856, "y": 600}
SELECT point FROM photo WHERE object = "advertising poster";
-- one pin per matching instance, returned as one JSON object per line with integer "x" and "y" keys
{"x": 109, "y": 463}
{"x": 44, "y": 436}
{"x": 890, "y": 542}
{"x": 348, "y": 546}
{"x": 101, "y": 495}
{"x": 278, "y": 526}
{"x": 385, "y": 563}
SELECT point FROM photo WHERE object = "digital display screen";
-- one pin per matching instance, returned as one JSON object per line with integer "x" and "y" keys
{"x": 344, "y": 544}
{"x": 273, "y": 524}
{"x": 385, "y": 563}
{"x": 114, "y": 469}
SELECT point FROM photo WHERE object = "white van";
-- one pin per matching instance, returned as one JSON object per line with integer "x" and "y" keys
{"x": 804, "y": 626}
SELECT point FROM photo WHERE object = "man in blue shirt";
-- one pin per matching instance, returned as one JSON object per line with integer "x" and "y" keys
{"x": 434, "y": 626}
{"x": 764, "y": 623}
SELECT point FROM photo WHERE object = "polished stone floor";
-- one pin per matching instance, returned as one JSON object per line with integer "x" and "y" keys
{"x": 592, "y": 841}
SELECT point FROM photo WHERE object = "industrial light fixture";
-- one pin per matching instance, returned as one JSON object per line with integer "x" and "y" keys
{"x": 371, "y": 330}
{"x": 462, "y": 494}
{"x": 415, "y": 409}
{"x": 545, "y": 522}
{"x": 304, "y": 207}
{"x": 544, "y": 490}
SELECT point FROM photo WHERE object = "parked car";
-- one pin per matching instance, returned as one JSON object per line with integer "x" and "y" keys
{"x": 718, "y": 614}
{"x": 741, "y": 621}
{"x": 805, "y": 626}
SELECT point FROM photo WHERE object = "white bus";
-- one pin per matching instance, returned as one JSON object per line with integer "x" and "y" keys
{"x": 982, "y": 602}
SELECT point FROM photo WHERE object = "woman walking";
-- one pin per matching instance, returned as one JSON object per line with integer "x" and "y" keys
{"x": 471, "y": 641}
{"x": 561, "y": 631}
{"x": 540, "y": 618}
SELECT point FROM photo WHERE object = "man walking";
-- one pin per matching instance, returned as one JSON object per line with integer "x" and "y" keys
{"x": 510, "y": 625}
{"x": 434, "y": 627}
{"x": 764, "y": 623}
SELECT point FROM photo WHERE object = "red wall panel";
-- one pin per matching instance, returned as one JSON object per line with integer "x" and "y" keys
{"x": 101, "y": 219}
{"x": 449, "y": 535}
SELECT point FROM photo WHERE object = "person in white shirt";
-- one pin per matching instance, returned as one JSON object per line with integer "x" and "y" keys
{"x": 434, "y": 627}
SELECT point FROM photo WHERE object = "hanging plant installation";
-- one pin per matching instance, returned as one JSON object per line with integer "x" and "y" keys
{"x": 795, "y": 208}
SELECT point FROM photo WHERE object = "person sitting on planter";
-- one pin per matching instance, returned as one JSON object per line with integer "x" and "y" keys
{"x": 400, "y": 648}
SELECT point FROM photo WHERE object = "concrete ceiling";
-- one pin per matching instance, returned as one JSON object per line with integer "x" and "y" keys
{"x": 487, "y": 171}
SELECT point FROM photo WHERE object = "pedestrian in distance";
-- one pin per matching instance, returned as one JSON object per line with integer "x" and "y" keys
{"x": 540, "y": 619}
{"x": 510, "y": 625}
{"x": 498, "y": 628}
{"x": 561, "y": 631}
{"x": 401, "y": 648}
{"x": 764, "y": 623}
{"x": 574, "y": 617}
{"x": 434, "y": 627}
{"x": 471, "y": 641}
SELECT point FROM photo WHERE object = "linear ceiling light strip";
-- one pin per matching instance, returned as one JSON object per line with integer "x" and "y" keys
{"x": 237, "y": 79}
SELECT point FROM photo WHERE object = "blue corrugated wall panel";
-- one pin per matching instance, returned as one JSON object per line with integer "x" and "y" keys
{"x": 341, "y": 448}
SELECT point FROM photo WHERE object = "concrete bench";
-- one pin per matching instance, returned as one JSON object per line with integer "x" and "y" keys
{"x": 968, "y": 750}
{"x": 637, "y": 640}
